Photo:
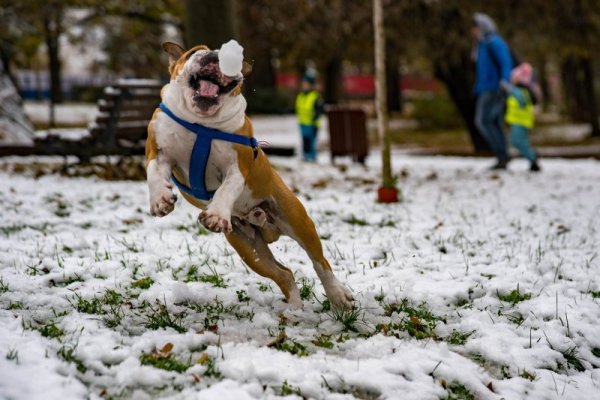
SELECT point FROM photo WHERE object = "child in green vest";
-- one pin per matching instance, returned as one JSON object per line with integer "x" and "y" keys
{"x": 309, "y": 108}
{"x": 520, "y": 114}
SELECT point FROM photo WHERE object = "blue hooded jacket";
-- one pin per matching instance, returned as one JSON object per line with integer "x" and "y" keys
{"x": 493, "y": 60}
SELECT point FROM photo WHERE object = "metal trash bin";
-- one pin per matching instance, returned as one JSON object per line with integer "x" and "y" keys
{"x": 348, "y": 133}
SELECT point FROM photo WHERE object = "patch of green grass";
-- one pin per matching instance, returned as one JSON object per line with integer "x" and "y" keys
{"x": 325, "y": 305}
{"x": 11, "y": 229}
{"x": 109, "y": 305}
{"x": 323, "y": 341}
{"x": 516, "y": 318}
{"x": 17, "y": 305}
{"x": 284, "y": 343}
{"x": 160, "y": 317}
{"x": 457, "y": 391}
{"x": 50, "y": 330}
{"x": 71, "y": 279}
{"x": 263, "y": 287}
{"x": 3, "y": 286}
{"x": 216, "y": 310}
{"x": 168, "y": 362}
{"x": 214, "y": 278}
{"x": 93, "y": 306}
{"x": 348, "y": 318}
{"x": 462, "y": 302}
{"x": 306, "y": 288}
{"x": 112, "y": 297}
{"x": 143, "y": 283}
{"x": 113, "y": 316}
{"x": 457, "y": 337}
{"x": 380, "y": 297}
{"x": 287, "y": 390}
{"x": 596, "y": 351}
{"x": 514, "y": 297}
{"x": 387, "y": 224}
{"x": 242, "y": 296}
{"x": 419, "y": 322}
{"x": 571, "y": 355}
{"x": 595, "y": 294}
{"x": 353, "y": 220}
{"x": 67, "y": 353}
{"x": 528, "y": 375}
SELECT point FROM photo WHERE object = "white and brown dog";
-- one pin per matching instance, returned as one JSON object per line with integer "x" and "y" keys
{"x": 251, "y": 203}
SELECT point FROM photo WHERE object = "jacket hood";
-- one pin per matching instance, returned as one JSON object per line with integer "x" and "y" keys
{"x": 484, "y": 23}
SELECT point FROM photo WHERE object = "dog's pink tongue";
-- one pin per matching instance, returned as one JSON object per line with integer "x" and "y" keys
{"x": 208, "y": 89}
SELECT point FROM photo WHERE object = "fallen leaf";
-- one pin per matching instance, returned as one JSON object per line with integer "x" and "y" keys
{"x": 167, "y": 348}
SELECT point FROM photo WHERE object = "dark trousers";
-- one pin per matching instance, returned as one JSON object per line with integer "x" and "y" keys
{"x": 489, "y": 119}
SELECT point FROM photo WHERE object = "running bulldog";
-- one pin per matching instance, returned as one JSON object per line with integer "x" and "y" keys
{"x": 201, "y": 141}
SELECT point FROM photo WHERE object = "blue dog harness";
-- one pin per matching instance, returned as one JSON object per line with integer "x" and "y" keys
{"x": 201, "y": 151}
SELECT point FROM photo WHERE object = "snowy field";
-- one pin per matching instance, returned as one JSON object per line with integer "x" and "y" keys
{"x": 477, "y": 286}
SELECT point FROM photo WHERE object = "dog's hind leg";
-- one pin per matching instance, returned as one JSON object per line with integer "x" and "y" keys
{"x": 295, "y": 222}
{"x": 249, "y": 243}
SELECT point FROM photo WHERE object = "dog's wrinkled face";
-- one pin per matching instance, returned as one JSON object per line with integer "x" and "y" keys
{"x": 197, "y": 74}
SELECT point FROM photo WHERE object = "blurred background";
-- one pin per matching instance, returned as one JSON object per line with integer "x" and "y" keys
{"x": 67, "y": 52}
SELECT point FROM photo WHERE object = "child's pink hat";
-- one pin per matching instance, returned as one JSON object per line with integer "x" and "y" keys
{"x": 522, "y": 74}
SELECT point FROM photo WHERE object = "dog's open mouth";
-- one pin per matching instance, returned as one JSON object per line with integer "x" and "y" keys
{"x": 210, "y": 87}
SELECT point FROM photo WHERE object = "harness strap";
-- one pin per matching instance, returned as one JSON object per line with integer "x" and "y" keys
{"x": 201, "y": 152}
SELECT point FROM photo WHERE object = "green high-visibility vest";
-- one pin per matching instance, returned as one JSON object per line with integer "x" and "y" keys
{"x": 517, "y": 114}
{"x": 305, "y": 107}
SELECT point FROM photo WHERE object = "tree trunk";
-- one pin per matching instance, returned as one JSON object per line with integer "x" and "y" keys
{"x": 333, "y": 80}
{"x": 590, "y": 95}
{"x": 392, "y": 75}
{"x": 544, "y": 86}
{"x": 572, "y": 78}
{"x": 52, "y": 30}
{"x": 459, "y": 85}
{"x": 210, "y": 22}
{"x": 380, "y": 95}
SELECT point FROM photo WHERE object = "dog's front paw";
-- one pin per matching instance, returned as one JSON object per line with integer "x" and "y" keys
{"x": 162, "y": 202}
{"x": 214, "y": 222}
{"x": 340, "y": 297}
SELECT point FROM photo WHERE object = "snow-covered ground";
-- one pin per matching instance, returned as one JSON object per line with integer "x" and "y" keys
{"x": 477, "y": 286}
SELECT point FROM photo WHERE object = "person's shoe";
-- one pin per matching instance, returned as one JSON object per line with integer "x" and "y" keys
{"x": 501, "y": 164}
{"x": 534, "y": 166}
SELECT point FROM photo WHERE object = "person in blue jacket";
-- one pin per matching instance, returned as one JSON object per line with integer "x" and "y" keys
{"x": 493, "y": 65}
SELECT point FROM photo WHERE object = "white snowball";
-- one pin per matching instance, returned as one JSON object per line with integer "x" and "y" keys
{"x": 231, "y": 56}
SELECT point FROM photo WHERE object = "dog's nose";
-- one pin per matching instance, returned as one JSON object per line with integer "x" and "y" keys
{"x": 209, "y": 58}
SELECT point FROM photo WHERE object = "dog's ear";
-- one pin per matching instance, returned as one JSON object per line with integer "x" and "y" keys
{"x": 174, "y": 51}
{"x": 246, "y": 68}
